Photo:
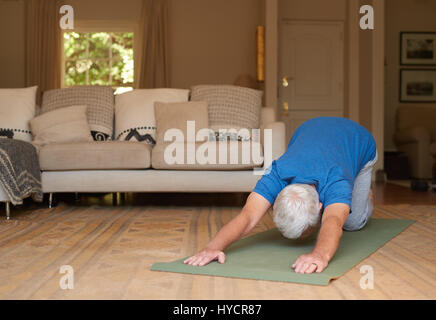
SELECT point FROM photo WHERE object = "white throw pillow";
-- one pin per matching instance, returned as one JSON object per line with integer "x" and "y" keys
{"x": 68, "y": 124}
{"x": 134, "y": 112}
{"x": 17, "y": 107}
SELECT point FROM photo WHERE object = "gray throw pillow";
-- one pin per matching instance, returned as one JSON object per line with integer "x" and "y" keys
{"x": 230, "y": 106}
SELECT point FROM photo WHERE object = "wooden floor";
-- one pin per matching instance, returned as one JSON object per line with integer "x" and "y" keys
{"x": 111, "y": 249}
{"x": 389, "y": 193}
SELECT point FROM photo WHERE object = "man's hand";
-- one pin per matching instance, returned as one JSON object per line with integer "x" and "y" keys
{"x": 239, "y": 226}
{"x": 308, "y": 263}
{"x": 327, "y": 243}
{"x": 205, "y": 256}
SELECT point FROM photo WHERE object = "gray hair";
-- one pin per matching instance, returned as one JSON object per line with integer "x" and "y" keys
{"x": 296, "y": 208}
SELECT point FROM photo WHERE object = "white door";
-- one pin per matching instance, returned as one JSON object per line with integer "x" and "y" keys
{"x": 311, "y": 71}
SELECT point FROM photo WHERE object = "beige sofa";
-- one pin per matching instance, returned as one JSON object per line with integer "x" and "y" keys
{"x": 121, "y": 166}
{"x": 415, "y": 133}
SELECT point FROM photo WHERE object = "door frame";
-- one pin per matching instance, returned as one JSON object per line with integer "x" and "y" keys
{"x": 378, "y": 80}
{"x": 271, "y": 53}
{"x": 353, "y": 56}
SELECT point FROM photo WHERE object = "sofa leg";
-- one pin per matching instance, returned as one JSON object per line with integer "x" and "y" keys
{"x": 50, "y": 200}
{"x": 76, "y": 197}
{"x": 8, "y": 210}
{"x": 114, "y": 198}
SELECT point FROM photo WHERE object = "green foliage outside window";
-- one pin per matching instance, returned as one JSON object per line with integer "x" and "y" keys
{"x": 100, "y": 58}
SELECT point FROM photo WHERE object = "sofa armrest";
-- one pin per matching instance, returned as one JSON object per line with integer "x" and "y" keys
{"x": 278, "y": 146}
{"x": 412, "y": 135}
{"x": 267, "y": 115}
{"x": 415, "y": 143}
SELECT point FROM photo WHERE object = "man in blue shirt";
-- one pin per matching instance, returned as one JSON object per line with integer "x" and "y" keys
{"x": 323, "y": 178}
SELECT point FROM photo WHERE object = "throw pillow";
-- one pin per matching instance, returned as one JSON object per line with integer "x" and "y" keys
{"x": 230, "y": 106}
{"x": 68, "y": 124}
{"x": 229, "y": 134}
{"x": 176, "y": 115}
{"x": 134, "y": 112}
{"x": 98, "y": 99}
{"x": 17, "y": 107}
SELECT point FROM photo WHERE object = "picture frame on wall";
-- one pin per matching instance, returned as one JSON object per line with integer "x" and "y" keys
{"x": 418, "y": 85}
{"x": 418, "y": 48}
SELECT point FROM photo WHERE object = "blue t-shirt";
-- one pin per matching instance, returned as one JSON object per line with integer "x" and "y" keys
{"x": 328, "y": 152}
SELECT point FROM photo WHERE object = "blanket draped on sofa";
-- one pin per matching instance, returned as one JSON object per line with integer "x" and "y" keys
{"x": 20, "y": 175}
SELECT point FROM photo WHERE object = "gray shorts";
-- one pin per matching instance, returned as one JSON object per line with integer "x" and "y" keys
{"x": 361, "y": 205}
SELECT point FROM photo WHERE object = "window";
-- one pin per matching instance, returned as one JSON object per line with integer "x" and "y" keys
{"x": 99, "y": 58}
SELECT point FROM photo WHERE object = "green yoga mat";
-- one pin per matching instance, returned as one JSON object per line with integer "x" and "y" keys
{"x": 268, "y": 255}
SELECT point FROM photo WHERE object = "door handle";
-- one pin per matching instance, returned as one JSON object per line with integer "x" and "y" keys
{"x": 285, "y": 109}
{"x": 285, "y": 81}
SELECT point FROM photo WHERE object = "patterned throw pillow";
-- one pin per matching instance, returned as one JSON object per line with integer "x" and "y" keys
{"x": 134, "y": 112}
{"x": 17, "y": 107}
{"x": 227, "y": 136}
{"x": 230, "y": 106}
{"x": 98, "y": 99}
{"x": 233, "y": 134}
{"x": 7, "y": 133}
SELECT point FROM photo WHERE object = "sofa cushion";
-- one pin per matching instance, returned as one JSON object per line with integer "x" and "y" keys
{"x": 173, "y": 155}
{"x": 108, "y": 155}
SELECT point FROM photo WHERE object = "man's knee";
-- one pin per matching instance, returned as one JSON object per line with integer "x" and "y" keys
{"x": 354, "y": 226}
{"x": 356, "y": 223}
{"x": 358, "y": 219}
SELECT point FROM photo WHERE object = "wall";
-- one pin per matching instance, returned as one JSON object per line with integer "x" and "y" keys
{"x": 212, "y": 41}
{"x": 365, "y": 76}
{"x": 401, "y": 15}
{"x": 313, "y": 9}
{"x": 12, "y": 28}
{"x": 106, "y": 9}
